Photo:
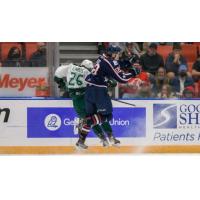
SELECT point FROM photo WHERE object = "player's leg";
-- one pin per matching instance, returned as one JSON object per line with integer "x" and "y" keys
{"x": 79, "y": 106}
{"x": 103, "y": 106}
{"x": 105, "y": 109}
{"x": 98, "y": 131}
{"x": 108, "y": 130}
{"x": 90, "y": 98}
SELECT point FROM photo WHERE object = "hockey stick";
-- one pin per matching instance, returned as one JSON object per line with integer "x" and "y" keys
{"x": 130, "y": 104}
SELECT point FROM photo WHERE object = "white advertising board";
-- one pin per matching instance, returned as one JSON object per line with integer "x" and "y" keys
{"x": 40, "y": 122}
{"x": 21, "y": 82}
{"x": 166, "y": 121}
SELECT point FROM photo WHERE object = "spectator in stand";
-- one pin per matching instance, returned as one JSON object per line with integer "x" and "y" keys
{"x": 38, "y": 59}
{"x": 128, "y": 54}
{"x": 180, "y": 82}
{"x": 188, "y": 92}
{"x": 145, "y": 46}
{"x": 151, "y": 60}
{"x": 140, "y": 45}
{"x": 165, "y": 92}
{"x": 14, "y": 58}
{"x": 196, "y": 70}
{"x": 122, "y": 45}
{"x": 174, "y": 60}
{"x": 102, "y": 46}
{"x": 158, "y": 80}
{"x": 136, "y": 49}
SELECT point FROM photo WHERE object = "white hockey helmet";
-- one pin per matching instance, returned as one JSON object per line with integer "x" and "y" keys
{"x": 88, "y": 64}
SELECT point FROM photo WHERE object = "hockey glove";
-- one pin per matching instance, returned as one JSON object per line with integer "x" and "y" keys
{"x": 112, "y": 83}
{"x": 134, "y": 71}
{"x": 60, "y": 82}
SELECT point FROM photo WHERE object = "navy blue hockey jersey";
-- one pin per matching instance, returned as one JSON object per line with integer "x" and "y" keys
{"x": 104, "y": 69}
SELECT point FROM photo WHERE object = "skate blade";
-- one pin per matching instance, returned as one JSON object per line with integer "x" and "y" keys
{"x": 105, "y": 146}
{"x": 78, "y": 148}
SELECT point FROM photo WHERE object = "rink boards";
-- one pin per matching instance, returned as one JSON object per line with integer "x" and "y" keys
{"x": 46, "y": 126}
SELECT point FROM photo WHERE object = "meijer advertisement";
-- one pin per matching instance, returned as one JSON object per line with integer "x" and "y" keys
{"x": 17, "y": 82}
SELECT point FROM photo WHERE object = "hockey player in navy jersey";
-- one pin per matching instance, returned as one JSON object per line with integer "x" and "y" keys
{"x": 98, "y": 102}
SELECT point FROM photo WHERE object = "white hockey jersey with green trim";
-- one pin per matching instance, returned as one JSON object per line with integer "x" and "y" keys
{"x": 74, "y": 74}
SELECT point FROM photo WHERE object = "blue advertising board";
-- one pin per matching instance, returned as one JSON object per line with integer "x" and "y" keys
{"x": 58, "y": 122}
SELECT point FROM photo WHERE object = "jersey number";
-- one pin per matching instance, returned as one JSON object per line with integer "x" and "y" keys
{"x": 95, "y": 69}
{"x": 76, "y": 79}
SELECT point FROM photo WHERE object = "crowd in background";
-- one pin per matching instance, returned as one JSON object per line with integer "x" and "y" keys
{"x": 160, "y": 78}
{"x": 23, "y": 54}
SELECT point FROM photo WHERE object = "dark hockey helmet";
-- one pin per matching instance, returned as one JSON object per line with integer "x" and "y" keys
{"x": 112, "y": 49}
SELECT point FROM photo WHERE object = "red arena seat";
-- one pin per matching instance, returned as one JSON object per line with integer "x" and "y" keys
{"x": 164, "y": 50}
{"x": 31, "y": 47}
{"x": 190, "y": 52}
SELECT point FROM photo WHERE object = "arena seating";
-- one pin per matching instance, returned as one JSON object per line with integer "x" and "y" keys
{"x": 164, "y": 50}
{"x": 190, "y": 52}
{"x": 81, "y": 51}
{"x": 6, "y": 46}
{"x": 198, "y": 49}
{"x": 31, "y": 47}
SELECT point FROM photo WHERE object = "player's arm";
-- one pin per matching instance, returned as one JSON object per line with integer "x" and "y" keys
{"x": 60, "y": 82}
{"x": 59, "y": 76}
{"x": 120, "y": 76}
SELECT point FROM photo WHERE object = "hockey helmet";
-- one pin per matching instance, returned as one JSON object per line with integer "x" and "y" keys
{"x": 88, "y": 64}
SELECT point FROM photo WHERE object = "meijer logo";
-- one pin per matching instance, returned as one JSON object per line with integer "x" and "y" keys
{"x": 165, "y": 116}
{"x": 7, "y": 81}
{"x": 52, "y": 122}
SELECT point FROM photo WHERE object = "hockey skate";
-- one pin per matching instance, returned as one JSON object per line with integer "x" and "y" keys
{"x": 114, "y": 141}
{"x": 80, "y": 145}
{"x": 104, "y": 142}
